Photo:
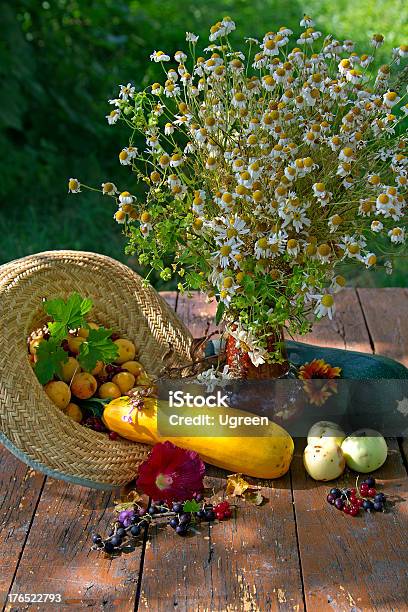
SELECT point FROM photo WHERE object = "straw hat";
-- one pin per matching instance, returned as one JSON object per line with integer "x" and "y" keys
{"x": 33, "y": 428}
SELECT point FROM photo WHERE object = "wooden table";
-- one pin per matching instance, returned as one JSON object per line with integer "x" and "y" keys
{"x": 294, "y": 553}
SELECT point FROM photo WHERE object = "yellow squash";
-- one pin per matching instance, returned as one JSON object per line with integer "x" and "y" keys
{"x": 266, "y": 456}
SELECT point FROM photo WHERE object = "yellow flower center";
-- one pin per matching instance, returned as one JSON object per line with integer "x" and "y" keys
{"x": 327, "y": 300}
{"x": 225, "y": 250}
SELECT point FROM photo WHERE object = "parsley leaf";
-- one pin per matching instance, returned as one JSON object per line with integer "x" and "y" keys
{"x": 191, "y": 506}
{"x": 50, "y": 357}
{"x": 67, "y": 315}
{"x": 97, "y": 347}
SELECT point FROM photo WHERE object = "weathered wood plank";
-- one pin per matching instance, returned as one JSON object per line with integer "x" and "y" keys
{"x": 346, "y": 330}
{"x": 248, "y": 563}
{"x": 57, "y": 557}
{"x": 386, "y": 313}
{"x": 350, "y": 563}
{"x": 20, "y": 489}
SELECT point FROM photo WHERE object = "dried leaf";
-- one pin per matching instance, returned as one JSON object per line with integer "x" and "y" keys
{"x": 253, "y": 496}
{"x": 236, "y": 485}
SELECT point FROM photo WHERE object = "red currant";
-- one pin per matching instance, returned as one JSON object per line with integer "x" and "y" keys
{"x": 346, "y": 509}
{"x": 220, "y": 516}
{"x": 372, "y": 492}
{"x": 364, "y": 489}
{"x": 353, "y": 492}
{"x": 227, "y": 514}
{"x": 354, "y": 510}
{"x": 359, "y": 502}
{"x": 113, "y": 435}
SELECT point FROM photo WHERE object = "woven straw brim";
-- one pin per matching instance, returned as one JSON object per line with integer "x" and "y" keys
{"x": 32, "y": 427}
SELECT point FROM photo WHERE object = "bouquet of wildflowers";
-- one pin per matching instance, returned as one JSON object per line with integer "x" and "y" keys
{"x": 263, "y": 172}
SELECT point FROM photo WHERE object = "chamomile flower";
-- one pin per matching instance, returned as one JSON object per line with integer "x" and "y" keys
{"x": 120, "y": 216}
{"x": 370, "y": 260}
{"x": 126, "y": 92}
{"x": 113, "y": 116}
{"x": 325, "y": 306}
{"x": 126, "y": 198}
{"x": 159, "y": 56}
{"x": 190, "y": 37}
{"x": 180, "y": 57}
{"x": 338, "y": 283}
{"x": 245, "y": 340}
{"x": 397, "y": 235}
{"x": 306, "y": 22}
{"x": 376, "y": 226}
{"x": 109, "y": 189}
{"x": 74, "y": 186}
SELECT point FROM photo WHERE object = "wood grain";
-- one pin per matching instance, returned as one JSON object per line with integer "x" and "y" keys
{"x": 57, "y": 557}
{"x": 359, "y": 563}
{"x": 386, "y": 313}
{"x": 20, "y": 489}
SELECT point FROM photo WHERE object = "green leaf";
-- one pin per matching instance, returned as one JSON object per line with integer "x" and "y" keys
{"x": 97, "y": 347}
{"x": 220, "y": 312}
{"x": 191, "y": 506}
{"x": 50, "y": 357}
{"x": 94, "y": 406}
{"x": 67, "y": 315}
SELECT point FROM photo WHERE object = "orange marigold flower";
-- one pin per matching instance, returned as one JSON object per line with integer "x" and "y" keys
{"x": 318, "y": 368}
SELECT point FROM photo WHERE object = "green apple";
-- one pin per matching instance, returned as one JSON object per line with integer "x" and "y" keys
{"x": 325, "y": 429}
{"x": 324, "y": 460}
{"x": 365, "y": 450}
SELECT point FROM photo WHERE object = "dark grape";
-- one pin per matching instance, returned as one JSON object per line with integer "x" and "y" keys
{"x": 134, "y": 520}
{"x": 109, "y": 548}
{"x": 141, "y": 512}
{"x": 370, "y": 481}
{"x": 96, "y": 538}
{"x": 120, "y": 532}
{"x": 368, "y": 505}
{"x": 380, "y": 497}
{"x": 177, "y": 507}
{"x": 185, "y": 518}
{"x": 162, "y": 509}
{"x": 210, "y": 515}
{"x": 331, "y": 499}
{"x": 181, "y": 530}
{"x": 335, "y": 492}
{"x": 201, "y": 514}
{"x": 152, "y": 510}
{"x": 339, "y": 503}
{"x": 135, "y": 530}
{"x": 116, "y": 540}
{"x": 378, "y": 506}
{"x": 198, "y": 497}
{"x": 174, "y": 522}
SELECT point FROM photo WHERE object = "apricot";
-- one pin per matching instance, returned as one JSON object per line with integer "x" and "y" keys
{"x": 69, "y": 369}
{"x": 125, "y": 381}
{"x": 109, "y": 390}
{"x": 74, "y": 344}
{"x": 127, "y": 350}
{"x": 83, "y": 385}
{"x": 59, "y": 393}
{"x": 134, "y": 367}
{"x": 74, "y": 412}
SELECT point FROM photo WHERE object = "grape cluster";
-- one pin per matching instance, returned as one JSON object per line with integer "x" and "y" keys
{"x": 131, "y": 523}
{"x": 351, "y": 501}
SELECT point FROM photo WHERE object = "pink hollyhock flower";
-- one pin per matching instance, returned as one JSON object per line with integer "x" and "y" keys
{"x": 171, "y": 473}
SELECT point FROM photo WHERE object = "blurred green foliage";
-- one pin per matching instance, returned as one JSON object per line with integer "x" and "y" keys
{"x": 61, "y": 60}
